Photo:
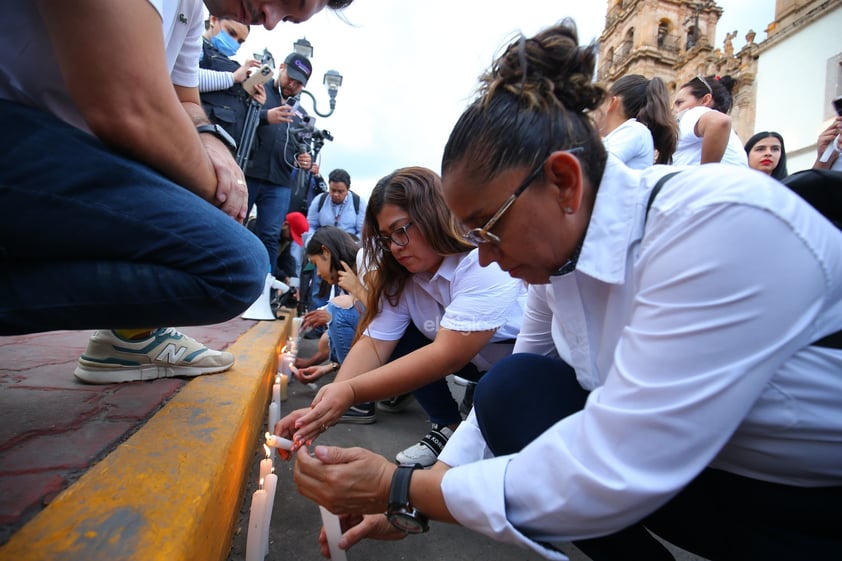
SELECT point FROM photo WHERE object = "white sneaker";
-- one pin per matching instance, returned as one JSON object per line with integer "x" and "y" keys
{"x": 428, "y": 449}
{"x": 166, "y": 353}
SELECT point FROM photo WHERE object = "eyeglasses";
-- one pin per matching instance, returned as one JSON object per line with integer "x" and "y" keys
{"x": 398, "y": 237}
{"x": 482, "y": 235}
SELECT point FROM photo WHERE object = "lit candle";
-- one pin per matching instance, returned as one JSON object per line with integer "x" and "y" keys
{"x": 270, "y": 485}
{"x": 287, "y": 361}
{"x": 266, "y": 465}
{"x": 331, "y": 523}
{"x": 257, "y": 513}
{"x": 278, "y": 442}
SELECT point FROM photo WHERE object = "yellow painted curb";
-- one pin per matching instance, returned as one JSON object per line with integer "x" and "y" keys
{"x": 173, "y": 490}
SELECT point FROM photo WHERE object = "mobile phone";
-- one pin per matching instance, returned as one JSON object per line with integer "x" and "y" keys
{"x": 837, "y": 105}
{"x": 259, "y": 76}
{"x": 294, "y": 102}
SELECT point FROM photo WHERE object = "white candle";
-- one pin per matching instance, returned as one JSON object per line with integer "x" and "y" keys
{"x": 270, "y": 485}
{"x": 284, "y": 385}
{"x": 296, "y": 326}
{"x": 254, "y": 538}
{"x": 274, "y": 415}
{"x": 276, "y": 391}
{"x": 278, "y": 442}
{"x": 287, "y": 360}
{"x": 266, "y": 465}
{"x": 334, "y": 532}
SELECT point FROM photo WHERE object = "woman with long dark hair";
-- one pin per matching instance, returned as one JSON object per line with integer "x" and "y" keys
{"x": 431, "y": 295}
{"x": 636, "y": 123}
{"x": 766, "y": 153}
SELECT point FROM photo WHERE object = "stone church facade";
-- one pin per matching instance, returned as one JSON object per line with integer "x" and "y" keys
{"x": 675, "y": 40}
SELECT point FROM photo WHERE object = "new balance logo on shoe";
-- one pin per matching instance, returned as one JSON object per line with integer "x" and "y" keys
{"x": 170, "y": 354}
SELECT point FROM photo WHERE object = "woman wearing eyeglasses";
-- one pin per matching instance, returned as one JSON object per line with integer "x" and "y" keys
{"x": 704, "y": 127}
{"x": 671, "y": 373}
{"x": 429, "y": 287}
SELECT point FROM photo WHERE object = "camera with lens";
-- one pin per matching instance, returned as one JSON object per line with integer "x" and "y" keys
{"x": 309, "y": 137}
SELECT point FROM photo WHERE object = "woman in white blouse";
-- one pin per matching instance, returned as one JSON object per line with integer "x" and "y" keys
{"x": 429, "y": 292}
{"x": 667, "y": 377}
{"x": 635, "y": 121}
{"x": 704, "y": 127}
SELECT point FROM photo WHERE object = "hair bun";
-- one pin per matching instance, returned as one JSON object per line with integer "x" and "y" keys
{"x": 547, "y": 69}
{"x": 727, "y": 82}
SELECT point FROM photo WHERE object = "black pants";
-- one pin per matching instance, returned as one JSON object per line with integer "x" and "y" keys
{"x": 719, "y": 515}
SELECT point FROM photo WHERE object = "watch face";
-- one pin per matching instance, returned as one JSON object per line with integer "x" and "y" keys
{"x": 407, "y": 523}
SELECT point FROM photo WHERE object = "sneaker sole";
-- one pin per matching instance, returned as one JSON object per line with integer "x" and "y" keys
{"x": 357, "y": 420}
{"x": 99, "y": 375}
{"x": 403, "y": 406}
{"x": 400, "y": 458}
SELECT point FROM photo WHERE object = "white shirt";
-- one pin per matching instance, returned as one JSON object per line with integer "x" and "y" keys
{"x": 29, "y": 72}
{"x": 463, "y": 296}
{"x": 695, "y": 341}
{"x": 632, "y": 143}
{"x": 688, "y": 151}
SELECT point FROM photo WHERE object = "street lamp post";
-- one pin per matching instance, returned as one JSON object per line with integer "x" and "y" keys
{"x": 332, "y": 79}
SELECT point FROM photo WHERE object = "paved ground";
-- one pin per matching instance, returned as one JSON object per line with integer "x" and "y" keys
{"x": 53, "y": 427}
{"x": 296, "y": 520}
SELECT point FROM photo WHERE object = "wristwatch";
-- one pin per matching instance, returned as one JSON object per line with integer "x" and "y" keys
{"x": 219, "y": 133}
{"x": 400, "y": 513}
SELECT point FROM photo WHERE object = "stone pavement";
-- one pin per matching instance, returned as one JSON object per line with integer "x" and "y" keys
{"x": 96, "y": 472}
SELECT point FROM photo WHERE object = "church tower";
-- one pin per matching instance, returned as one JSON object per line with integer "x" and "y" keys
{"x": 655, "y": 37}
{"x": 674, "y": 40}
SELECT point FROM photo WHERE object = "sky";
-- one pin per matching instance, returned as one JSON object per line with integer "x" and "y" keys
{"x": 410, "y": 68}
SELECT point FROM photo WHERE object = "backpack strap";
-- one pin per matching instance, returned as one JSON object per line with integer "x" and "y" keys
{"x": 655, "y": 190}
{"x": 355, "y": 198}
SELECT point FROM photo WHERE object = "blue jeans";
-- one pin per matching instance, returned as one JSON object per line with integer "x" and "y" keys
{"x": 91, "y": 239}
{"x": 719, "y": 515}
{"x": 272, "y": 203}
{"x": 341, "y": 330}
{"x": 435, "y": 398}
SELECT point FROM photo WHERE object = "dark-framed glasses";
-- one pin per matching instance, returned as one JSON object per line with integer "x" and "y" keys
{"x": 398, "y": 237}
{"x": 482, "y": 235}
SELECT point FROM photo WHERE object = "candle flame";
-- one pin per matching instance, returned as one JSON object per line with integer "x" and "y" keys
{"x": 266, "y": 447}
{"x": 261, "y": 483}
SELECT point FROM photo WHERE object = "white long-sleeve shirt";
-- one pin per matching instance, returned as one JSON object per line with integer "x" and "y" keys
{"x": 695, "y": 341}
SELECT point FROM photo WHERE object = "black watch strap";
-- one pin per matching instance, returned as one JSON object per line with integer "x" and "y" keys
{"x": 219, "y": 133}
{"x": 399, "y": 491}
{"x": 401, "y": 514}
